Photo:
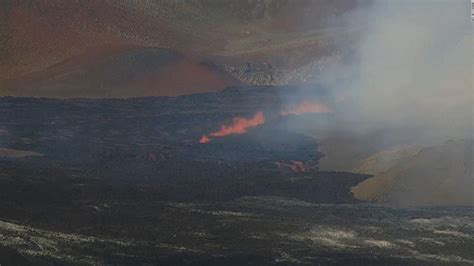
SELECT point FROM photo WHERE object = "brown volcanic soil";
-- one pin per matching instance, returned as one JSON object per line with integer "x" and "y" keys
{"x": 438, "y": 175}
{"x": 184, "y": 76}
{"x": 282, "y": 36}
{"x": 122, "y": 71}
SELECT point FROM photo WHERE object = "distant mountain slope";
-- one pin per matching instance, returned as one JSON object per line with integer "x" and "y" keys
{"x": 387, "y": 159}
{"x": 438, "y": 175}
{"x": 127, "y": 72}
{"x": 257, "y": 42}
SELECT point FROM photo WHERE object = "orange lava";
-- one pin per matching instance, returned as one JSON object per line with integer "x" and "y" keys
{"x": 307, "y": 107}
{"x": 240, "y": 125}
{"x": 204, "y": 139}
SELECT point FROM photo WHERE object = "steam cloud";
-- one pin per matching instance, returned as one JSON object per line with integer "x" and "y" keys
{"x": 408, "y": 81}
{"x": 413, "y": 68}
{"x": 307, "y": 107}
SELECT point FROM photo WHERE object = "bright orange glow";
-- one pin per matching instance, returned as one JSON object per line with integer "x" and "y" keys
{"x": 204, "y": 139}
{"x": 240, "y": 125}
{"x": 307, "y": 107}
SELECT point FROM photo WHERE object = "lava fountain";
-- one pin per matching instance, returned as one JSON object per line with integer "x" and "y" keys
{"x": 240, "y": 125}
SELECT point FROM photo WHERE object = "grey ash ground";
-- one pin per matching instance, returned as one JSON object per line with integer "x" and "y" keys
{"x": 252, "y": 231}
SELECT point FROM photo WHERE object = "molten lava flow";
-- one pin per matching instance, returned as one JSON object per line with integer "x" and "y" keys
{"x": 307, "y": 107}
{"x": 204, "y": 139}
{"x": 239, "y": 126}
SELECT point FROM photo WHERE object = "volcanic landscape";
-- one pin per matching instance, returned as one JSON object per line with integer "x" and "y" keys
{"x": 129, "y": 181}
{"x": 209, "y": 132}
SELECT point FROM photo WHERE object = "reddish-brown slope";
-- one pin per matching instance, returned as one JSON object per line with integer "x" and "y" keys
{"x": 41, "y": 39}
{"x": 122, "y": 71}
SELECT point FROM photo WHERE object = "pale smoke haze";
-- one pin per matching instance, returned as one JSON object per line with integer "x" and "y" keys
{"x": 413, "y": 68}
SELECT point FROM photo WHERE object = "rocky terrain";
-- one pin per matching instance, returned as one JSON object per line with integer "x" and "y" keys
{"x": 156, "y": 141}
{"x": 89, "y": 182}
{"x": 250, "y": 231}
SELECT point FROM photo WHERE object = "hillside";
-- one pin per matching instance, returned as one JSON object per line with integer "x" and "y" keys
{"x": 438, "y": 175}
{"x": 52, "y": 48}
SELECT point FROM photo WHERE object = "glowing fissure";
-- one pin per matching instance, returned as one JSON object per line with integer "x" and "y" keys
{"x": 240, "y": 125}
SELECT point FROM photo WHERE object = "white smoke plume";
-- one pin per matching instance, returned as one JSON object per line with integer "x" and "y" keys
{"x": 412, "y": 67}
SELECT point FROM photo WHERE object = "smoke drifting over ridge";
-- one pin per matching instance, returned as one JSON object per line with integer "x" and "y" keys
{"x": 408, "y": 82}
{"x": 413, "y": 68}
